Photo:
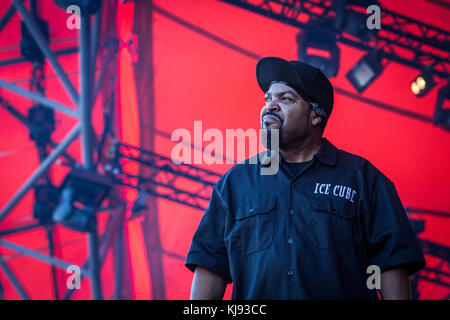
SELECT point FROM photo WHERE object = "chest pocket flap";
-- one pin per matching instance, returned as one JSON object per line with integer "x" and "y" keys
{"x": 255, "y": 206}
{"x": 336, "y": 206}
{"x": 254, "y": 225}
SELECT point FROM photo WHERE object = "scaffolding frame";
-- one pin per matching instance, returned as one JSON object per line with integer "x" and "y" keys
{"x": 163, "y": 171}
{"x": 88, "y": 51}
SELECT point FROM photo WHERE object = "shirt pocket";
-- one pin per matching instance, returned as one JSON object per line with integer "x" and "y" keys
{"x": 331, "y": 224}
{"x": 254, "y": 225}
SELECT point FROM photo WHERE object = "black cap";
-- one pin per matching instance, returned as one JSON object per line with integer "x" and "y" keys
{"x": 308, "y": 81}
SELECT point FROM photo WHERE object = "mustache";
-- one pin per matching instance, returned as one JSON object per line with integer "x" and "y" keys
{"x": 272, "y": 114}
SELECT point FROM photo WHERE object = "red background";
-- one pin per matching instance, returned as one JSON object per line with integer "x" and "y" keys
{"x": 199, "y": 78}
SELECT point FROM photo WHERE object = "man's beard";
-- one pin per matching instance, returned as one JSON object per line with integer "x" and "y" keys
{"x": 269, "y": 143}
{"x": 291, "y": 141}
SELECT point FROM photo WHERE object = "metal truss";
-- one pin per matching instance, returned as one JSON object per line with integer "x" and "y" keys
{"x": 435, "y": 274}
{"x": 402, "y": 39}
{"x": 181, "y": 183}
{"x": 88, "y": 49}
{"x": 184, "y": 184}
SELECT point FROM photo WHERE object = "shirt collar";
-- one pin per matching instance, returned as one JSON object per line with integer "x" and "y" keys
{"x": 327, "y": 154}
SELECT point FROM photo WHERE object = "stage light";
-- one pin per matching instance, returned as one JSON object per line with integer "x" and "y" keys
{"x": 365, "y": 71}
{"x": 422, "y": 84}
{"x": 81, "y": 195}
{"x": 46, "y": 197}
{"x": 441, "y": 115}
{"x": 318, "y": 47}
{"x": 351, "y": 18}
{"x": 41, "y": 124}
{"x": 28, "y": 47}
{"x": 90, "y": 6}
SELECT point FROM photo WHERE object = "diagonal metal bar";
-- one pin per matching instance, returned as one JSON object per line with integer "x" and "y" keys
{"x": 7, "y": 16}
{"x": 40, "y": 170}
{"x": 111, "y": 52}
{"x": 5, "y": 104}
{"x": 39, "y": 256}
{"x": 35, "y": 31}
{"x": 19, "y": 229}
{"x": 204, "y": 32}
{"x": 39, "y": 98}
{"x": 436, "y": 213}
{"x": 60, "y": 52}
{"x": 14, "y": 281}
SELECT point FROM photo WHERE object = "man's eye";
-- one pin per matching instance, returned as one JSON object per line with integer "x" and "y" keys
{"x": 287, "y": 99}
{"x": 267, "y": 99}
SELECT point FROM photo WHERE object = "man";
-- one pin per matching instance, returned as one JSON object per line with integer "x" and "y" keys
{"x": 311, "y": 230}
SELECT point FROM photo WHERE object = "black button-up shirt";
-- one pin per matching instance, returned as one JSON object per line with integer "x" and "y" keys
{"x": 308, "y": 236}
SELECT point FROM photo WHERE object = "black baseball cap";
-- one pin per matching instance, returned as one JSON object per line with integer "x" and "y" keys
{"x": 308, "y": 81}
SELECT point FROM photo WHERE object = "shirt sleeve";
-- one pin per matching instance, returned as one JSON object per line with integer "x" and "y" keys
{"x": 389, "y": 237}
{"x": 208, "y": 246}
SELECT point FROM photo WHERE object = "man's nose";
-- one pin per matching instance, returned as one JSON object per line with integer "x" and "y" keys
{"x": 273, "y": 106}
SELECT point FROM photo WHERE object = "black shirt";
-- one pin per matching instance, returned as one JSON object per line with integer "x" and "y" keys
{"x": 295, "y": 167}
{"x": 306, "y": 236}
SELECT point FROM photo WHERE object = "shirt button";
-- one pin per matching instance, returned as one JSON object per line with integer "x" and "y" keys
{"x": 293, "y": 184}
{"x": 252, "y": 210}
{"x": 291, "y": 211}
{"x": 290, "y": 241}
{"x": 290, "y": 273}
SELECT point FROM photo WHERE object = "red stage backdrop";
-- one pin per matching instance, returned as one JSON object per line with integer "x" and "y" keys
{"x": 204, "y": 55}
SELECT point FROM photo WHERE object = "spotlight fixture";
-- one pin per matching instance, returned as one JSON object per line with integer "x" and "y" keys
{"x": 46, "y": 197}
{"x": 318, "y": 47}
{"x": 422, "y": 84}
{"x": 441, "y": 115}
{"x": 89, "y": 6}
{"x": 365, "y": 71}
{"x": 41, "y": 124}
{"x": 28, "y": 47}
{"x": 81, "y": 195}
{"x": 351, "y": 18}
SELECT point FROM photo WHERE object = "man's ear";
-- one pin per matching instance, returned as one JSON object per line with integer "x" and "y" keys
{"x": 315, "y": 118}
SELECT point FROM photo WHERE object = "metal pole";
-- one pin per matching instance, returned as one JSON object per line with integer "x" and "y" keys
{"x": 94, "y": 266}
{"x": 39, "y": 98}
{"x": 105, "y": 241}
{"x": 40, "y": 170}
{"x": 35, "y": 31}
{"x": 39, "y": 256}
{"x": 85, "y": 96}
{"x": 95, "y": 40}
{"x": 118, "y": 257}
{"x": 111, "y": 52}
{"x": 86, "y": 136}
{"x": 51, "y": 249}
{"x": 13, "y": 279}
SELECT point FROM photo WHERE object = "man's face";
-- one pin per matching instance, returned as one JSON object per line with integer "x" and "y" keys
{"x": 287, "y": 111}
